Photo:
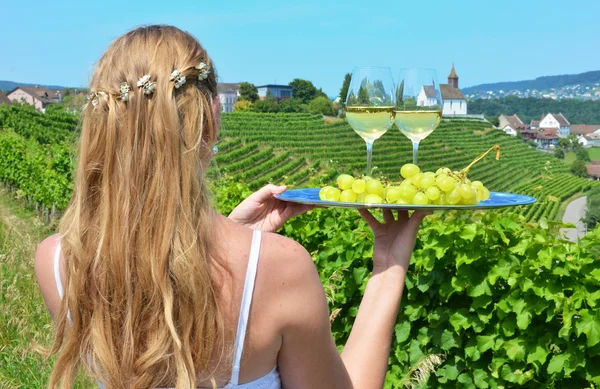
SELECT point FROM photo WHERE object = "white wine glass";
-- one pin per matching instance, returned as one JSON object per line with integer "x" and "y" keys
{"x": 370, "y": 105}
{"x": 418, "y": 105}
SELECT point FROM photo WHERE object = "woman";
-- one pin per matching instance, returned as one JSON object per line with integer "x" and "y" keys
{"x": 150, "y": 287}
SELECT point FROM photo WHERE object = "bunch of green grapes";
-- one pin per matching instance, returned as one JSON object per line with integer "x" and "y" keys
{"x": 444, "y": 187}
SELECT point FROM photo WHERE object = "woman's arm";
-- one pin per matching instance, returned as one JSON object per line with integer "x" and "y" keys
{"x": 308, "y": 357}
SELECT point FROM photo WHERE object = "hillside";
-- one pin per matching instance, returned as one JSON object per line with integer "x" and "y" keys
{"x": 540, "y": 83}
{"x": 10, "y": 85}
{"x": 576, "y": 111}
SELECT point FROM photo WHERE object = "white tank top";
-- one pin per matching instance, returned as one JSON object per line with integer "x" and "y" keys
{"x": 269, "y": 381}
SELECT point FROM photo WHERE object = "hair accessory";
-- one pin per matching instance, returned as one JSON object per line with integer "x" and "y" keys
{"x": 124, "y": 88}
{"x": 202, "y": 71}
{"x": 149, "y": 86}
{"x": 93, "y": 97}
{"x": 178, "y": 78}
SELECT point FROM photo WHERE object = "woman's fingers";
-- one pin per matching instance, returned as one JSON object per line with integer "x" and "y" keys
{"x": 369, "y": 218}
{"x": 266, "y": 192}
{"x": 388, "y": 216}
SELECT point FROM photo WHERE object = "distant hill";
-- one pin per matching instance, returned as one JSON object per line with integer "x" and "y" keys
{"x": 540, "y": 83}
{"x": 10, "y": 85}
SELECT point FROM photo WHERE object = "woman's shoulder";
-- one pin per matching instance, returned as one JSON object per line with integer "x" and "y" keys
{"x": 44, "y": 272}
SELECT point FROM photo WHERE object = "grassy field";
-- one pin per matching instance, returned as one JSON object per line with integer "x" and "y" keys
{"x": 594, "y": 155}
{"x": 24, "y": 321}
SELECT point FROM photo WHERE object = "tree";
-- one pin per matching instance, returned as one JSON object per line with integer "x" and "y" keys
{"x": 321, "y": 105}
{"x": 559, "y": 153}
{"x": 582, "y": 155}
{"x": 248, "y": 91}
{"x": 269, "y": 104}
{"x": 303, "y": 90}
{"x": 578, "y": 168}
{"x": 292, "y": 105}
{"x": 242, "y": 105}
{"x": 345, "y": 87}
{"x": 363, "y": 96}
{"x": 564, "y": 143}
{"x": 494, "y": 120}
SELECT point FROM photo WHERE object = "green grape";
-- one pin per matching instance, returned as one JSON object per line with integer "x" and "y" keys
{"x": 407, "y": 192}
{"x": 333, "y": 194}
{"x": 454, "y": 197}
{"x": 443, "y": 170}
{"x": 486, "y": 194}
{"x": 428, "y": 181}
{"x": 344, "y": 181}
{"x": 440, "y": 178}
{"x": 432, "y": 193}
{"x": 361, "y": 198}
{"x": 324, "y": 193}
{"x": 348, "y": 196}
{"x": 373, "y": 199}
{"x": 392, "y": 194}
{"x": 442, "y": 200}
{"x": 359, "y": 186}
{"x": 416, "y": 179}
{"x": 402, "y": 202}
{"x": 466, "y": 191}
{"x": 420, "y": 198}
{"x": 447, "y": 185}
{"x": 367, "y": 178}
{"x": 374, "y": 187}
{"x": 409, "y": 170}
{"x": 477, "y": 185}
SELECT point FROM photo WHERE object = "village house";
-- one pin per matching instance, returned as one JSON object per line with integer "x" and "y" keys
{"x": 582, "y": 129}
{"x": 453, "y": 99}
{"x": 228, "y": 95}
{"x": 4, "y": 99}
{"x": 39, "y": 97}
{"x": 279, "y": 92}
{"x": 552, "y": 120}
{"x": 512, "y": 125}
{"x": 593, "y": 170}
{"x": 427, "y": 96}
{"x": 547, "y": 137}
{"x": 589, "y": 140}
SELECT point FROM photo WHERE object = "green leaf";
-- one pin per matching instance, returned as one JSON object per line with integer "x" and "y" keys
{"x": 447, "y": 373}
{"x": 557, "y": 363}
{"x": 402, "y": 331}
{"x": 460, "y": 320}
{"x": 415, "y": 352}
{"x": 480, "y": 289}
{"x": 466, "y": 380}
{"x": 480, "y": 377}
{"x": 590, "y": 326}
{"x": 538, "y": 355}
{"x": 523, "y": 320}
{"x": 469, "y": 232}
{"x": 448, "y": 340}
{"x": 515, "y": 349}
{"x": 359, "y": 274}
{"x": 485, "y": 342}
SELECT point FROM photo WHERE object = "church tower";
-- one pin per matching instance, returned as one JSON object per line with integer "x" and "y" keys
{"x": 453, "y": 78}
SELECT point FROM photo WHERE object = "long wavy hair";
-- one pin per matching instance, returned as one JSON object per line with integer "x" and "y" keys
{"x": 141, "y": 285}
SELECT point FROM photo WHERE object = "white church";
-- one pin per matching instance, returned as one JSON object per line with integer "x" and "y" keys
{"x": 454, "y": 102}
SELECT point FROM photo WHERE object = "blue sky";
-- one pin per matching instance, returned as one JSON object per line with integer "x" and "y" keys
{"x": 275, "y": 41}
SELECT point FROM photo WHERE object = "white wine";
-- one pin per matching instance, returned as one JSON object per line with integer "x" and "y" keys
{"x": 370, "y": 122}
{"x": 417, "y": 125}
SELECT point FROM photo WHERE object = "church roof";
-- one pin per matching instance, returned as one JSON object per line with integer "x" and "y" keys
{"x": 429, "y": 91}
{"x": 453, "y": 73}
{"x": 451, "y": 93}
{"x": 514, "y": 122}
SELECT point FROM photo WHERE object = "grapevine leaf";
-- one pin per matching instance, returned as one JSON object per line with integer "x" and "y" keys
{"x": 480, "y": 289}
{"x": 402, "y": 331}
{"x": 466, "y": 380}
{"x": 448, "y": 340}
{"x": 460, "y": 320}
{"x": 485, "y": 342}
{"x": 538, "y": 355}
{"x": 557, "y": 363}
{"x": 447, "y": 373}
{"x": 480, "y": 377}
{"x": 590, "y": 326}
{"x": 469, "y": 232}
{"x": 515, "y": 349}
{"x": 523, "y": 320}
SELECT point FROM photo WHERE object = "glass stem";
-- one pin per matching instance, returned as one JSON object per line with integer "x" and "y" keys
{"x": 369, "y": 156}
{"x": 415, "y": 151}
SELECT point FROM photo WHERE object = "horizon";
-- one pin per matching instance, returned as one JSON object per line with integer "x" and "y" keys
{"x": 269, "y": 42}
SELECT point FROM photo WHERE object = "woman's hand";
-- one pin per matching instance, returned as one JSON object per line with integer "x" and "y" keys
{"x": 262, "y": 211}
{"x": 394, "y": 239}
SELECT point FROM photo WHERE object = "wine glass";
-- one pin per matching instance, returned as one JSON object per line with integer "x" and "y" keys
{"x": 418, "y": 105}
{"x": 370, "y": 105}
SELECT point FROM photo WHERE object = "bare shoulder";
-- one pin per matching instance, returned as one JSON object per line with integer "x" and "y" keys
{"x": 44, "y": 272}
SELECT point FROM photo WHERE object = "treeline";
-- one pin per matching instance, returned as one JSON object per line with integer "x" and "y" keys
{"x": 576, "y": 111}
{"x": 540, "y": 83}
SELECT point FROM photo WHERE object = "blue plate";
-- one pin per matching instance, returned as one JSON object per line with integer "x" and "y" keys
{"x": 496, "y": 200}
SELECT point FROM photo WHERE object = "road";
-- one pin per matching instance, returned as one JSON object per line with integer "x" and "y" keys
{"x": 573, "y": 214}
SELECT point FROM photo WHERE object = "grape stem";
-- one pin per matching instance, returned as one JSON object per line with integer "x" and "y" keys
{"x": 463, "y": 173}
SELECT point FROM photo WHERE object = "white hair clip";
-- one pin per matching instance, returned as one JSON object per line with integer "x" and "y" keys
{"x": 124, "y": 89}
{"x": 94, "y": 97}
{"x": 178, "y": 78}
{"x": 202, "y": 71}
{"x": 149, "y": 86}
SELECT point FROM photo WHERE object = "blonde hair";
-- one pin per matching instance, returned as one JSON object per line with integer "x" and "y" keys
{"x": 136, "y": 236}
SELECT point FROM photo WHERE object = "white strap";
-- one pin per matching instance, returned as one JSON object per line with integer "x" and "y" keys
{"x": 245, "y": 306}
{"x": 59, "y": 284}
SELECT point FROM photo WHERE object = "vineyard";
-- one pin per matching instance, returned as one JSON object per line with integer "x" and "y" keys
{"x": 293, "y": 149}
{"x": 499, "y": 297}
